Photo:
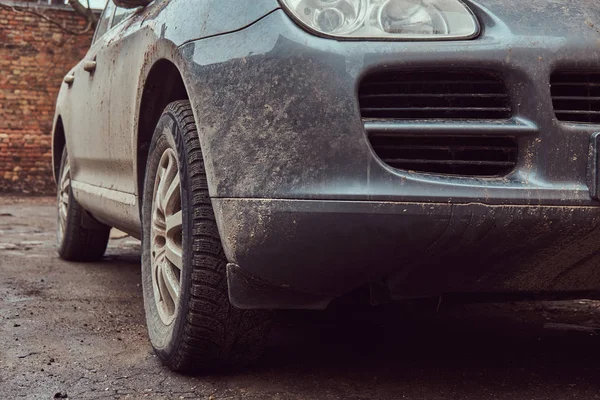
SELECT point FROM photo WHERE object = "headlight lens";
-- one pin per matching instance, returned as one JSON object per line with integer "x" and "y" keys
{"x": 386, "y": 19}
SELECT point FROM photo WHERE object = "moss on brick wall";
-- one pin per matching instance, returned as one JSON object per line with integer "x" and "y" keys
{"x": 34, "y": 57}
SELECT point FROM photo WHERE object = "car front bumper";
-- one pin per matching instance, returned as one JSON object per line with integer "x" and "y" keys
{"x": 305, "y": 204}
{"x": 304, "y": 253}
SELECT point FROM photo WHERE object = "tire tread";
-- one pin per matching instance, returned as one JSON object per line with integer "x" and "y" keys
{"x": 213, "y": 328}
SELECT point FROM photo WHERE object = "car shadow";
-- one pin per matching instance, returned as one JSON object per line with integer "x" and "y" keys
{"x": 496, "y": 346}
{"x": 467, "y": 351}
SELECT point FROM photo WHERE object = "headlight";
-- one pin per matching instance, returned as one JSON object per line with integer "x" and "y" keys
{"x": 385, "y": 19}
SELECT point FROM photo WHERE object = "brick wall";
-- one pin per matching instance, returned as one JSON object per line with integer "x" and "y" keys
{"x": 34, "y": 57}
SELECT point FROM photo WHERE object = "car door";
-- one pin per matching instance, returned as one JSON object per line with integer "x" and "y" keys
{"x": 105, "y": 180}
{"x": 90, "y": 112}
{"x": 123, "y": 86}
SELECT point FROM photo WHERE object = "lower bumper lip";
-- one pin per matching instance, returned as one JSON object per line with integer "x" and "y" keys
{"x": 331, "y": 247}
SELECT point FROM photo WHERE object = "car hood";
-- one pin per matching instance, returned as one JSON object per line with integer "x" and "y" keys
{"x": 555, "y": 18}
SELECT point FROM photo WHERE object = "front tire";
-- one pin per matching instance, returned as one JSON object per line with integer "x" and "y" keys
{"x": 191, "y": 324}
{"x": 79, "y": 236}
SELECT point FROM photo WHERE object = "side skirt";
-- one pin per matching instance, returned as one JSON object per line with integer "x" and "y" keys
{"x": 111, "y": 207}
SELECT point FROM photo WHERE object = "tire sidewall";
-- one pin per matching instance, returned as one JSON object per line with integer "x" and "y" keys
{"x": 165, "y": 338}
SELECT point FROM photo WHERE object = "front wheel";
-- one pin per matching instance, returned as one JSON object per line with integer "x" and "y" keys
{"x": 191, "y": 324}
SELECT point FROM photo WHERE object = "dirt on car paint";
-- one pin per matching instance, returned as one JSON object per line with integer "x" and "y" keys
{"x": 70, "y": 330}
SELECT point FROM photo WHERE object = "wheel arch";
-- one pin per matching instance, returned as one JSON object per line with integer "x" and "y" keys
{"x": 59, "y": 141}
{"x": 164, "y": 84}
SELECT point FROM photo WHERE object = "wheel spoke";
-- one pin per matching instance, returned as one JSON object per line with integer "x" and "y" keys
{"x": 160, "y": 188}
{"x": 161, "y": 172}
{"x": 62, "y": 220}
{"x": 62, "y": 209}
{"x": 174, "y": 253}
{"x": 65, "y": 180}
{"x": 158, "y": 221}
{"x": 64, "y": 188}
{"x": 162, "y": 285}
{"x": 173, "y": 196}
{"x": 171, "y": 166}
{"x": 171, "y": 283}
{"x": 174, "y": 223}
{"x": 157, "y": 261}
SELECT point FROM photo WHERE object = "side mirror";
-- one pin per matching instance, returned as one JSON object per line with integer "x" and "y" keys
{"x": 132, "y": 3}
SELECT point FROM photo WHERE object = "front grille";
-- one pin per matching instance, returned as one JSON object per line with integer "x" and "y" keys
{"x": 434, "y": 95}
{"x": 576, "y": 96}
{"x": 470, "y": 156}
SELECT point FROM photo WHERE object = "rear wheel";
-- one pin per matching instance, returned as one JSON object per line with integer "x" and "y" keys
{"x": 191, "y": 324}
{"x": 79, "y": 236}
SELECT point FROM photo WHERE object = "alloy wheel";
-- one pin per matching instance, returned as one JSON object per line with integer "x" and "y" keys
{"x": 166, "y": 239}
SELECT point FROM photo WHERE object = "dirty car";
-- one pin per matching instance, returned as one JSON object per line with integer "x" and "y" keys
{"x": 283, "y": 154}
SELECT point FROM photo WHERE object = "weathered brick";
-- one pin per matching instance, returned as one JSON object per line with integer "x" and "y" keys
{"x": 34, "y": 57}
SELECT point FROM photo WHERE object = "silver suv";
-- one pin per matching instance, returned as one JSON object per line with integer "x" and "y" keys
{"x": 282, "y": 154}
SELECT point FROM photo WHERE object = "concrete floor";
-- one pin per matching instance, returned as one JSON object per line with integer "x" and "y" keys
{"x": 78, "y": 330}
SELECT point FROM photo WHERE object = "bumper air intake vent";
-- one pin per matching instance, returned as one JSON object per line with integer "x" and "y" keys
{"x": 440, "y": 121}
{"x": 576, "y": 96}
{"x": 469, "y": 156}
{"x": 469, "y": 95}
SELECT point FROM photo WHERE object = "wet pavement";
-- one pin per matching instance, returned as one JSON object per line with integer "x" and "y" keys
{"x": 77, "y": 330}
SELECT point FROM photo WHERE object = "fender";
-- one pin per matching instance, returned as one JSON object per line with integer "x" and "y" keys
{"x": 165, "y": 42}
